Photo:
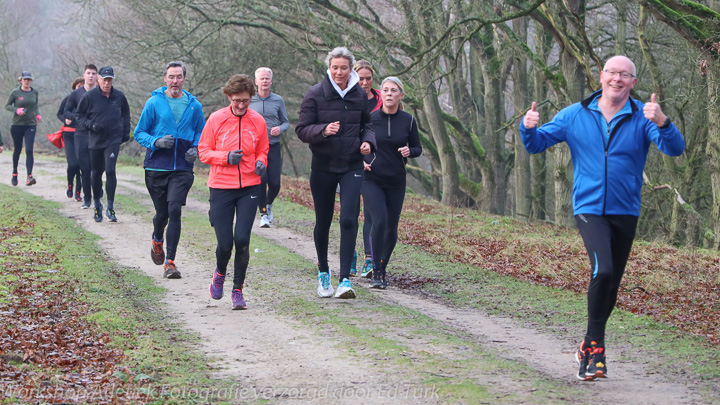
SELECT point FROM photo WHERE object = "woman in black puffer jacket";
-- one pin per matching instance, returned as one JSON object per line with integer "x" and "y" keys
{"x": 336, "y": 125}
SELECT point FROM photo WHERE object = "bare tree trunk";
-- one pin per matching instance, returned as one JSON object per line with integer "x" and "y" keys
{"x": 523, "y": 196}
{"x": 713, "y": 143}
{"x": 620, "y": 41}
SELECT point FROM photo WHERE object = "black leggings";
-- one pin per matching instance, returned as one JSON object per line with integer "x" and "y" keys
{"x": 608, "y": 240}
{"x": 20, "y": 133}
{"x": 73, "y": 168}
{"x": 385, "y": 205}
{"x": 83, "y": 156}
{"x": 367, "y": 227}
{"x": 323, "y": 186}
{"x": 271, "y": 178}
{"x": 226, "y": 204}
{"x": 104, "y": 160}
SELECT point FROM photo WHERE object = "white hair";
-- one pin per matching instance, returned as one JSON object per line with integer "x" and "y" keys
{"x": 263, "y": 69}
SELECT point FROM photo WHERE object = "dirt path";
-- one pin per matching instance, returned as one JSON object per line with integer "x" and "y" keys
{"x": 266, "y": 350}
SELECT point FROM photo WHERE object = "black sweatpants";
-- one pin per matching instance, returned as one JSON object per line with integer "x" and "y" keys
{"x": 168, "y": 191}
{"x": 608, "y": 240}
{"x": 19, "y": 134}
{"x": 385, "y": 205}
{"x": 323, "y": 186}
{"x": 240, "y": 204}
{"x": 83, "y": 156}
{"x": 270, "y": 187}
{"x": 104, "y": 161}
{"x": 73, "y": 166}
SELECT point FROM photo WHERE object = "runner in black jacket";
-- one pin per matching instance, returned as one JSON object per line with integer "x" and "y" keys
{"x": 334, "y": 122}
{"x": 105, "y": 113}
{"x": 383, "y": 187}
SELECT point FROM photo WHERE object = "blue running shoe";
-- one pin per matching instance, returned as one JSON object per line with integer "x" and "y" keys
{"x": 367, "y": 270}
{"x": 353, "y": 265}
{"x": 325, "y": 289}
{"x": 345, "y": 289}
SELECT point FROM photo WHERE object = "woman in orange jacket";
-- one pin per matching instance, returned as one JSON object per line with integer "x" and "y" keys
{"x": 234, "y": 143}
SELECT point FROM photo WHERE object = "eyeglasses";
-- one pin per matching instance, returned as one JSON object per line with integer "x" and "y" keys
{"x": 240, "y": 100}
{"x": 624, "y": 75}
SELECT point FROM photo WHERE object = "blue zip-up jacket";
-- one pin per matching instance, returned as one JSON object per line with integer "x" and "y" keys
{"x": 607, "y": 179}
{"x": 157, "y": 120}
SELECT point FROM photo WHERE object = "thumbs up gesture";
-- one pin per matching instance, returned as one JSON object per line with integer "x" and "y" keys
{"x": 653, "y": 112}
{"x": 532, "y": 117}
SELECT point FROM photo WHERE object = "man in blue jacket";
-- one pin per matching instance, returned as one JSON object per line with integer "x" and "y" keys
{"x": 170, "y": 127}
{"x": 609, "y": 135}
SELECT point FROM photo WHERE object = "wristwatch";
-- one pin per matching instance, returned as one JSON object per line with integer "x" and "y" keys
{"x": 666, "y": 124}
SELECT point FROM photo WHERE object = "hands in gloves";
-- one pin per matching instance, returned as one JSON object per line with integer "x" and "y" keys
{"x": 191, "y": 155}
{"x": 166, "y": 142}
{"x": 259, "y": 168}
{"x": 234, "y": 157}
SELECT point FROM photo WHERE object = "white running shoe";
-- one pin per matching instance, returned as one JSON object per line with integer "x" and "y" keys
{"x": 269, "y": 213}
{"x": 264, "y": 222}
{"x": 325, "y": 289}
{"x": 345, "y": 289}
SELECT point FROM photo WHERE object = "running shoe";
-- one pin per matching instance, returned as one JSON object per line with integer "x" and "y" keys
{"x": 14, "y": 181}
{"x": 98, "y": 213}
{"x": 367, "y": 270}
{"x": 69, "y": 192}
{"x": 269, "y": 213}
{"x": 78, "y": 197}
{"x": 216, "y": 285}
{"x": 30, "y": 180}
{"x": 353, "y": 265}
{"x": 85, "y": 205}
{"x": 157, "y": 254}
{"x": 264, "y": 222}
{"x": 583, "y": 358}
{"x": 171, "y": 270}
{"x": 110, "y": 213}
{"x": 376, "y": 281}
{"x": 597, "y": 367}
{"x": 238, "y": 300}
{"x": 345, "y": 289}
{"x": 325, "y": 289}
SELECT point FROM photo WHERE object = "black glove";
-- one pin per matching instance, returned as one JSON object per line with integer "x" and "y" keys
{"x": 95, "y": 127}
{"x": 234, "y": 157}
{"x": 166, "y": 142}
{"x": 259, "y": 168}
{"x": 125, "y": 138}
{"x": 191, "y": 155}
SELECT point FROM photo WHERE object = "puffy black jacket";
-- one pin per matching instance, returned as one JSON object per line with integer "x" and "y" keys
{"x": 322, "y": 105}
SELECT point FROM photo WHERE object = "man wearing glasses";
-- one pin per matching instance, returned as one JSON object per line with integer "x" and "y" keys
{"x": 609, "y": 135}
{"x": 169, "y": 127}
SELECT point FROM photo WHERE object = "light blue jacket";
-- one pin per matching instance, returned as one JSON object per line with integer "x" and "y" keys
{"x": 157, "y": 120}
{"x": 607, "y": 179}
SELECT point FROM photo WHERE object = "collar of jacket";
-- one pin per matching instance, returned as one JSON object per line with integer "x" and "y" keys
{"x": 329, "y": 91}
{"x": 586, "y": 103}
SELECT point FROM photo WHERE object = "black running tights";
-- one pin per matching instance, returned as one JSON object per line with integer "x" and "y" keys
{"x": 608, "y": 240}
{"x": 226, "y": 204}
{"x": 323, "y": 186}
{"x": 19, "y": 134}
{"x": 385, "y": 205}
{"x": 104, "y": 160}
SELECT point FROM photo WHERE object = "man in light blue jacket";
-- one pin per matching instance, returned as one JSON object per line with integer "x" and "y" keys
{"x": 609, "y": 135}
{"x": 170, "y": 127}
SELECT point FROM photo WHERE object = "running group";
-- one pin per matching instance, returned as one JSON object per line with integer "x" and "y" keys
{"x": 360, "y": 139}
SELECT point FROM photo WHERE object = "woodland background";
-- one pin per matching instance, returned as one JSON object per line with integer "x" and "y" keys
{"x": 471, "y": 70}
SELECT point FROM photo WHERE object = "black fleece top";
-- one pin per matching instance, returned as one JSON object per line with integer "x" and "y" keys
{"x": 69, "y": 111}
{"x": 392, "y": 131}
{"x": 111, "y": 114}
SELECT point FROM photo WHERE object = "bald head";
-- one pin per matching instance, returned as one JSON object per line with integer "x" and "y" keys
{"x": 621, "y": 61}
